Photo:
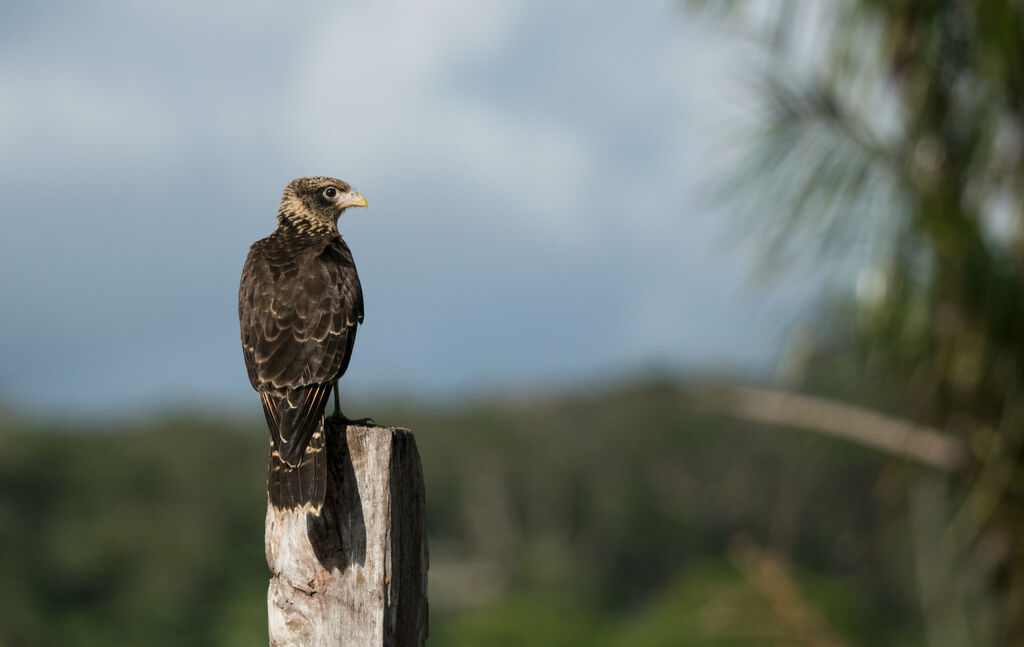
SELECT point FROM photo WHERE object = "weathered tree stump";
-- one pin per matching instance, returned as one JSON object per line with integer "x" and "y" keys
{"x": 356, "y": 575}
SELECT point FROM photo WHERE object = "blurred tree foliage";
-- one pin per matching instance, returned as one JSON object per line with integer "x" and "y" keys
{"x": 893, "y": 149}
{"x": 618, "y": 518}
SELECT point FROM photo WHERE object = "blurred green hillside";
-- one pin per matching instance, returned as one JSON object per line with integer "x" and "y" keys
{"x": 622, "y": 517}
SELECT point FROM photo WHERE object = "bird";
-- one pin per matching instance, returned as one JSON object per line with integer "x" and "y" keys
{"x": 299, "y": 304}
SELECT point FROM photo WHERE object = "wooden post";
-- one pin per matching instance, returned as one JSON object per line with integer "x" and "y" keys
{"x": 356, "y": 575}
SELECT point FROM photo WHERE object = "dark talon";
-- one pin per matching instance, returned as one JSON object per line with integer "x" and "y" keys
{"x": 345, "y": 420}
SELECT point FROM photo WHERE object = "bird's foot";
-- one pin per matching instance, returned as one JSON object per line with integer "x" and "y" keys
{"x": 340, "y": 418}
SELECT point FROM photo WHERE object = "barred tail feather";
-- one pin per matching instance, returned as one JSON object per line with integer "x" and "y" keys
{"x": 292, "y": 417}
{"x": 297, "y": 474}
{"x": 304, "y": 485}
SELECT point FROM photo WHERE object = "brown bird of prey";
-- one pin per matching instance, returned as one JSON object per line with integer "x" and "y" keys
{"x": 299, "y": 303}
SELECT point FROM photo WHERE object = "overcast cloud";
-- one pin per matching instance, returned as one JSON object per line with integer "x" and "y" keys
{"x": 531, "y": 168}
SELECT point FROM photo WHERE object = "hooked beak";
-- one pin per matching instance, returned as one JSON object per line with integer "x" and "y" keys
{"x": 352, "y": 199}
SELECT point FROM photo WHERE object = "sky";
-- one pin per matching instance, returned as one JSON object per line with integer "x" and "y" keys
{"x": 536, "y": 175}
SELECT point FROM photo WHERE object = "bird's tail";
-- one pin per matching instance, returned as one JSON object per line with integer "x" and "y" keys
{"x": 304, "y": 485}
{"x": 297, "y": 474}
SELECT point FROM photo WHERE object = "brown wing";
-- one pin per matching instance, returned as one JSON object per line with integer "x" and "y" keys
{"x": 298, "y": 306}
{"x": 297, "y": 310}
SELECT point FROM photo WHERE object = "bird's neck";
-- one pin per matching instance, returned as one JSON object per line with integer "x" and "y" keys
{"x": 288, "y": 220}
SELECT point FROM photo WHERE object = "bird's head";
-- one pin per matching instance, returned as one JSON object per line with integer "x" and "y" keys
{"x": 318, "y": 201}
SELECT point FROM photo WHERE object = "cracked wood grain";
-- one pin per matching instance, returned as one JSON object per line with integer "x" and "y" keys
{"x": 355, "y": 575}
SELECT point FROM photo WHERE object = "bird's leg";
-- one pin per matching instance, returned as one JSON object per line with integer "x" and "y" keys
{"x": 341, "y": 417}
{"x": 337, "y": 402}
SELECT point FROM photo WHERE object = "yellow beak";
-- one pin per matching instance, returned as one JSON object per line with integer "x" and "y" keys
{"x": 352, "y": 199}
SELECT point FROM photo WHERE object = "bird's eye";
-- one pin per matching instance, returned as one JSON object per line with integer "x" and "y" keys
{"x": 330, "y": 193}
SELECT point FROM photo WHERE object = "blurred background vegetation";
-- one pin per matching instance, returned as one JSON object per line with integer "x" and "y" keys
{"x": 620, "y": 517}
{"x": 638, "y": 514}
{"x": 894, "y": 148}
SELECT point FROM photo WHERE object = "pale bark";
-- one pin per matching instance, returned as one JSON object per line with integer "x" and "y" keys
{"x": 356, "y": 575}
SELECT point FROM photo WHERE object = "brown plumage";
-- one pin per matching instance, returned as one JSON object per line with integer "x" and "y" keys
{"x": 299, "y": 303}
